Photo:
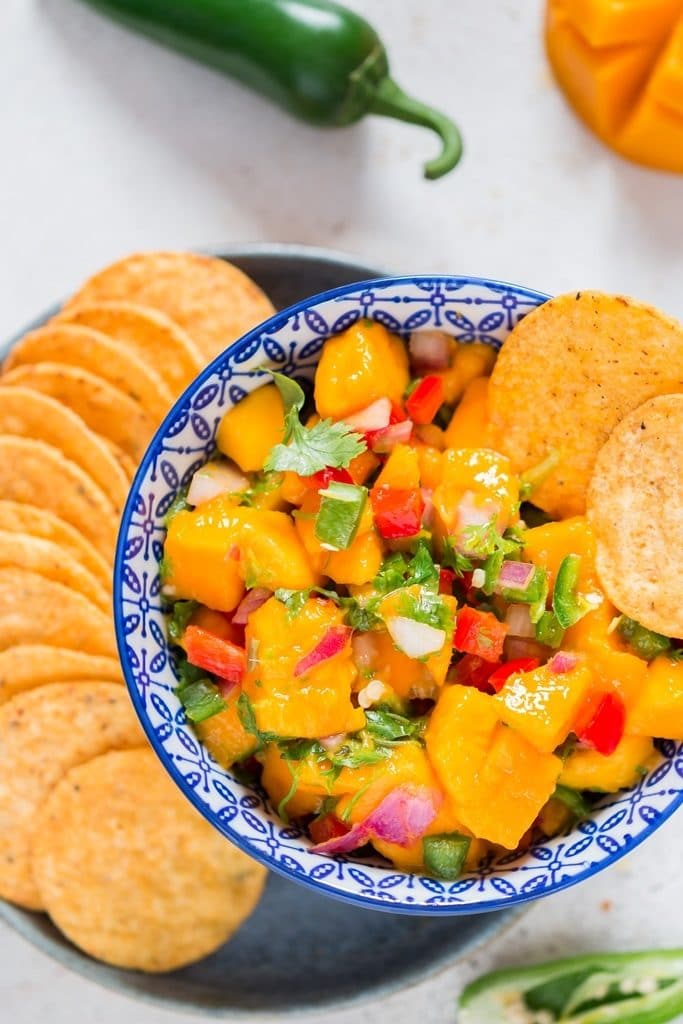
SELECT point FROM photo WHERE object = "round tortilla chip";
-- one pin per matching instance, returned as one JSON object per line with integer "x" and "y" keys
{"x": 38, "y": 522}
{"x": 567, "y": 374}
{"x": 104, "y": 408}
{"x": 22, "y": 551}
{"x": 35, "y": 610}
{"x": 151, "y": 335}
{"x": 148, "y": 885}
{"x": 28, "y": 666}
{"x": 44, "y": 733}
{"x": 102, "y": 356}
{"x": 33, "y": 473}
{"x": 212, "y": 300}
{"x": 635, "y": 505}
{"x": 28, "y": 413}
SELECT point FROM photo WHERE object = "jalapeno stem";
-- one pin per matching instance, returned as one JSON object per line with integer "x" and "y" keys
{"x": 390, "y": 101}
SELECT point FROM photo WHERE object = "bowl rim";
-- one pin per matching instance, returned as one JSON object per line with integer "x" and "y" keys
{"x": 273, "y": 323}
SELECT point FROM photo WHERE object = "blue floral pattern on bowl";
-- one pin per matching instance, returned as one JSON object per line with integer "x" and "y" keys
{"x": 470, "y": 309}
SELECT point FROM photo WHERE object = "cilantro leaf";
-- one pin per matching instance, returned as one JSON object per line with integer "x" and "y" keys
{"x": 453, "y": 559}
{"x": 307, "y": 450}
{"x": 427, "y": 607}
{"x": 398, "y": 570}
{"x": 388, "y": 726}
{"x": 179, "y": 504}
{"x": 293, "y": 600}
{"x": 482, "y": 541}
{"x": 201, "y": 700}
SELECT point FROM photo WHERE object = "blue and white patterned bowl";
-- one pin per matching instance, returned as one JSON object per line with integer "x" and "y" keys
{"x": 471, "y": 309}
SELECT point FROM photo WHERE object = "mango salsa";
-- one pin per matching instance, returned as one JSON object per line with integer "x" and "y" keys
{"x": 375, "y": 628}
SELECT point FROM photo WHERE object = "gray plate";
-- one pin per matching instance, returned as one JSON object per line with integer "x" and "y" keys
{"x": 299, "y": 951}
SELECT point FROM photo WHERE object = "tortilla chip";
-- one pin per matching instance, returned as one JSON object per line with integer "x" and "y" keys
{"x": 34, "y": 473}
{"x": 44, "y": 557}
{"x": 153, "y": 337}
{"x": 102, "y": 356}
{"x": 634, "y": 505}
{"x": 128, "y": 465}
{"x": 44, "y": 733}
{"x": 567, "y": 374}
{"x": 38, "y": 522}
{"x": 31, "y": 665}
{"x": 210, "y": 299}
{"x": 36, "y": 610}
{"x": 104, "y": 408}
{"x": 148, "y": 885}
{"x": 28, "y": 413}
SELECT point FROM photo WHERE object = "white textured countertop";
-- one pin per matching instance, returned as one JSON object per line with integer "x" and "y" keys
{"x": 110, "y": 144}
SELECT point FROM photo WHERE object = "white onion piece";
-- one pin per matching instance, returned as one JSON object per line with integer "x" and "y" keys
{"x": 375, "y": 416}
{"x": 429, "y": 350}
{"x": 416, "y": 639}
{"x": 371, "y": 693}
{"x": 518, "y": 621}
{"x": 213, "y": 479}
{"x": 364, "y": 649}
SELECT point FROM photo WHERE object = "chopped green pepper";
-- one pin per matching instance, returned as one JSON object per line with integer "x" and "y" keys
{"x": 444, "y": 855}
{"x": 629, "y": 988}
{"x": 341, "y": 510}
{"x": 574, "y": 800}
{"x": 548, "y": 630}
{"x": 568, "y": 606}
{"x": 645, "y": 643}
{"x": 201, "y": 700}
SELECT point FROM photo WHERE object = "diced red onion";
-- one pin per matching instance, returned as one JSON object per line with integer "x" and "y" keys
{"x": 519, "y": 622}
{"x": 364, "y": 649}
{"x": 227, "y": 687}
{"x": 429, "y": 350}
{"x": 515, "y": 575}
{"x": 375, "y": 416}
{"x": 252, "y": 600}
{"x": 428, "y": 510}
{"x": 563, "y": 661}
{"x": 384, "y": 441}
{"x": 416, "y": 639}
{"x": 213, "y": 479}
{"x": 332, "y": 643}
{"x": 403, "y": 816}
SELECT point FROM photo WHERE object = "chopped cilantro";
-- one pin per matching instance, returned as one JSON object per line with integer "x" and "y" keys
{"x": 453, "y": 559}
{"x": 427, "y": 607}
{"x": 265, "y": 484}
{"x": 574, "y": 800}
{"x": 201, "y": 700}
{"x": 247, "y": 717}
{"x": 400, "y": 570}
{"x": 165, "y": 569}
{"x": 293, "y": 600}
{"x": 482, "y": 541}
{"x": 388, "y": 726}
{"x": 307, "y": 450}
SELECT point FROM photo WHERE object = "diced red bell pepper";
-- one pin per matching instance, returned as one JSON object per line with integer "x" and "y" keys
{"x": 220, "y": 657}
{"x": 605, "y": 728}
{"x": 446, "y": 580}
{"x": 423, "y": 403}
{"x": 474, "y": 671}
{"x": 397, "y": 511}
{"x": 327, "y": 827}
{"x": 500, "y": 676}
{"x": 320, "y": 480}
{"x": 479, "y": 633}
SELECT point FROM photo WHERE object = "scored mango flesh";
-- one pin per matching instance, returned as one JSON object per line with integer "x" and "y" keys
{"x": 621, "y": 67}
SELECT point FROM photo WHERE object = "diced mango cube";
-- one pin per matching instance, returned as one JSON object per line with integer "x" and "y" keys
{"x": 359, "y": 366}
{"x": 587, "y": 769}
{"x": 658, "y": 710}
{"x": 469, "y": 425}
{"x": 542, "y": 705}
{"x": 402, "y": 469}
{"x": 251, "y": 428}
{"x": 225, "y": 737}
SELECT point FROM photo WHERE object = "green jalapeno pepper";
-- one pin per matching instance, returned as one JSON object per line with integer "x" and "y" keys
{"x": 628, "y": 988}
{"x": 322, "y": 62}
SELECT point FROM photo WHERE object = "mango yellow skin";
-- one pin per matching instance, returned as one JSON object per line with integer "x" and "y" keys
{"x": 251, "y": 428}
{"x": 213, "y": 550}
{"x": 658, "y": 709}
{"x": 469, "y": 426}
{"x": 497, "y": 780}
{"x": 485, "y": 478}
{"x": 308, "y": 706}
{"x": 357, "y": 367}
{"x": 621, "y": 67}
{"x": 543, "y": 706}
{"x": 586, "y": 769}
